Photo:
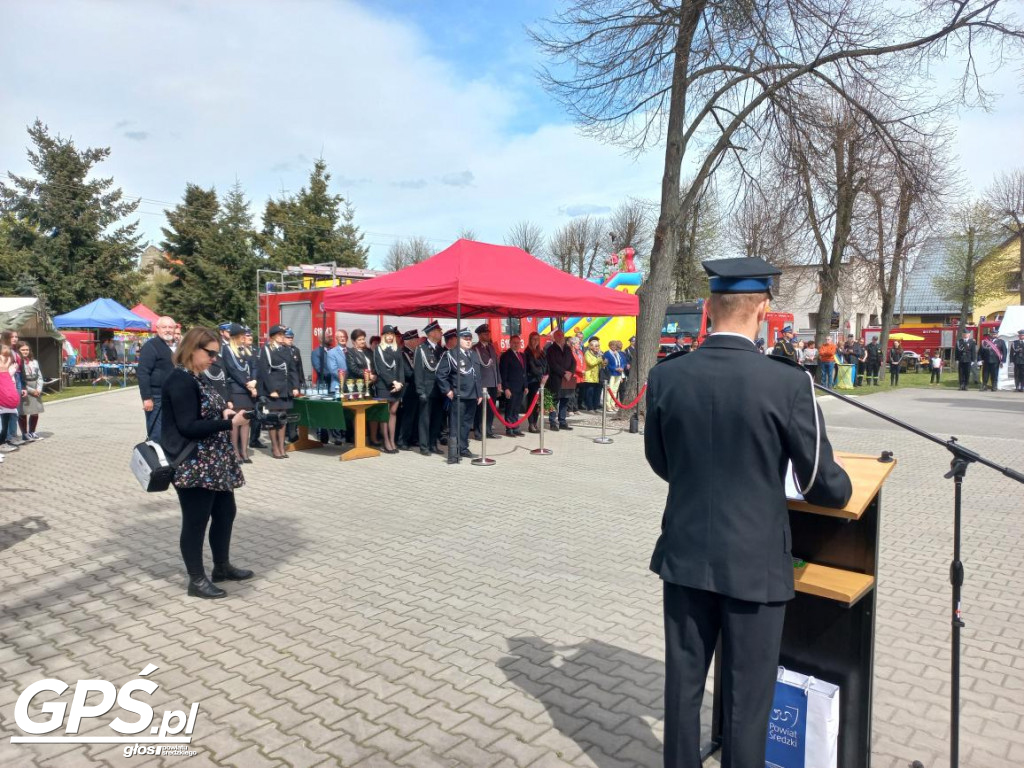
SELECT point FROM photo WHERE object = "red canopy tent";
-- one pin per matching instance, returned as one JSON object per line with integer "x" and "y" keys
{"x": 145, "y": 313}
{"x": 471, "y": 279}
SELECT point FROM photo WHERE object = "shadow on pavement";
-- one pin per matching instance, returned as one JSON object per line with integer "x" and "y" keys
{"x": 603, "y": 697}
{"x": 147, "y": 540}
{"x": 17, "y": 531}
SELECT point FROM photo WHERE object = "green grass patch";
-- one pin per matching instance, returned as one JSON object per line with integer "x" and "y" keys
{"x": 77, "y": 390}
{"x": 907, "y": 381}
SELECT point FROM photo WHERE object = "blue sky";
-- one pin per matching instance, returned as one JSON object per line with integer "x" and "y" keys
{"x": 427, "y": 112}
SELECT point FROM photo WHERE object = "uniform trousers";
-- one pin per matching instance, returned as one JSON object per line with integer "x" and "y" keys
{"x": 513, "y": 405}
{"x": 200, "y": 506}
{"x": 431, "y": 416}
{"x": 963, "y": 372}
{"x": 459, "y": 433}
{"x": 1018, "y": 376}
{"x": 478, "y": 414}
{"x": 751, "y": 637}
{"x": 872, "y": 371}
{"x": 408, "y": 424}
{"x": 990, "y": 375}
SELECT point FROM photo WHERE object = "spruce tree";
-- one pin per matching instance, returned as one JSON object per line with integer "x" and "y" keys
{"x": 192, "y": 296}
{"x": 232, "y": 251}
{"x": 65, "y": 233}
{"x": 312, "y": 227}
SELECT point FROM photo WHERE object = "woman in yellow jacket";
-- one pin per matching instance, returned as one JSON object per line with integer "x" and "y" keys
{"x": 592, "y": 375}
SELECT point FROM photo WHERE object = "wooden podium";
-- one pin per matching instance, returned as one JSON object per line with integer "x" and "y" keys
{"x": 830, "y": 624}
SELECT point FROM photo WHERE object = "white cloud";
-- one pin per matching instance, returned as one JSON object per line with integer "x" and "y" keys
{"x": 211, "y": 92}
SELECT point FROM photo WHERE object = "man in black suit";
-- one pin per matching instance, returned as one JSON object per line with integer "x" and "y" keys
{"x": 409, "y": 414}
{"x": 991, "y": 356}
{"x": 873, "y": 361}
{"x": 966, "y": 354}
{"x": 297, "y": 376}
{"x": 431, "y": 414}
{"x": 154, "y": 365}
{"x": 512, "y": 369}
{"x": 722, "y": 428}
{"x": 1017, "y": 358}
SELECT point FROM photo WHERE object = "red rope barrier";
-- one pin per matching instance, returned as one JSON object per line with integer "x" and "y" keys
{"x": 631, "y": 405}
{"x": 525, "y": 415}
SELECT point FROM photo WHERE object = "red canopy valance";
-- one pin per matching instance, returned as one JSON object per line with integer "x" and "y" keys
{"x": 480, "y": 280}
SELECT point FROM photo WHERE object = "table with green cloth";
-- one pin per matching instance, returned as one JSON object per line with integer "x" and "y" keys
{"x": 315, "y": 413}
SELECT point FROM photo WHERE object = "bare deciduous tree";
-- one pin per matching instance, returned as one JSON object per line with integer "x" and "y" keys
{"x": 526, "y": 236}
{"x": 697, "y": 240}
{"x": 574, "y": 247}
{"x": 404, "y": 253}
{"x": 466, "y": 233}
{"x": 906, "y": 192}
{"x": 710, "y": 79}
{"x": 1005, "y": 198}
{"x": 632, "y": 223}
{"x": 972, "y": 238}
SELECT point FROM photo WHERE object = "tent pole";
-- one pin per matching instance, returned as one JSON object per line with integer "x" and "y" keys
{"x": 458, "y": 390}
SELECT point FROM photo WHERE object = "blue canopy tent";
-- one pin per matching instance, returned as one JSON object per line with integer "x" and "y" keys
{"x": 104, "y": 313}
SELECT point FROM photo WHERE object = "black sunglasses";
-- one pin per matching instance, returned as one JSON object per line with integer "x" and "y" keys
{"x": 214, "y": 354}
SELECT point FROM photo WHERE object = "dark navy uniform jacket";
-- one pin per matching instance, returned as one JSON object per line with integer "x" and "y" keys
{"x": 463, "y": 377}
{"x": 722, "y": 425}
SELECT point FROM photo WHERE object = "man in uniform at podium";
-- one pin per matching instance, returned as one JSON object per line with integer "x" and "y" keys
{"x": 722, "y": 428}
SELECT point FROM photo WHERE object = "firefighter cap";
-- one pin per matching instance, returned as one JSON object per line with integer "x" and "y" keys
{"x": 751, "y": 275}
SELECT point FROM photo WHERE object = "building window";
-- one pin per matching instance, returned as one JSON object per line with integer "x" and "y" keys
{"x": 874, "y": 321}
{"x": 1013, "y": 282}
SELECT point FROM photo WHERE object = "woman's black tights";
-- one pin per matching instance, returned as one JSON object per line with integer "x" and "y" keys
{"x": 200, "y": 506}
{"x": 5, "y": 425}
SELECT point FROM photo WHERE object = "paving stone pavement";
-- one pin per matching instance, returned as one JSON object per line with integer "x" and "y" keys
{"x": 414, "y": 614}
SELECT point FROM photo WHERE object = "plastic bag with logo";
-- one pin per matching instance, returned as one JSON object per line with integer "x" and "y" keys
{"x": 803, "y": 729}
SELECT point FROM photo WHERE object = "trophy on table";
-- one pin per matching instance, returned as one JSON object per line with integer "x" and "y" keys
{"x": 350, "y": 387}
{"x": 360, "y": 383}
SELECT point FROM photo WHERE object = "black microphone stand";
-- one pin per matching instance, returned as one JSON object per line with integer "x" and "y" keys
{"x": 962, "y": 458}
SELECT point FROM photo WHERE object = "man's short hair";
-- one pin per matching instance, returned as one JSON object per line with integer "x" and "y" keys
{"x": 723, "y": 306}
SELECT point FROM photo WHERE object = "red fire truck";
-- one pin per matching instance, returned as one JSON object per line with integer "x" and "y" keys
{"x": 941, "y": 337}
{"x": 295, "y": 299}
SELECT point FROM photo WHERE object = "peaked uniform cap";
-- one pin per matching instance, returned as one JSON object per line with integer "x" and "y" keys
{"x": 751, "y": 275}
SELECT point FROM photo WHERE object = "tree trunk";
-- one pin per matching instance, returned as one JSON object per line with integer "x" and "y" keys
{"x": 1020, "y": 243}
{"x": 968, "y": 294}
{"x": 654, "y": 293}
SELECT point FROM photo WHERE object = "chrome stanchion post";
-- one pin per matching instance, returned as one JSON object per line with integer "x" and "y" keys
{"x": 541, "y": 450}
{"x": 483, "y": 461}
{"x": 603, "y": 439}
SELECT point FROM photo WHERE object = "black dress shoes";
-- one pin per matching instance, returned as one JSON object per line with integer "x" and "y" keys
{"x": 228, "y": 572}
{"x": 467, "y": 454}
{"x": 200, "y": 586}
{"x": 425, "y": 451}
{"x": 493, "y": 436}
{"x": 565, "y": 426}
